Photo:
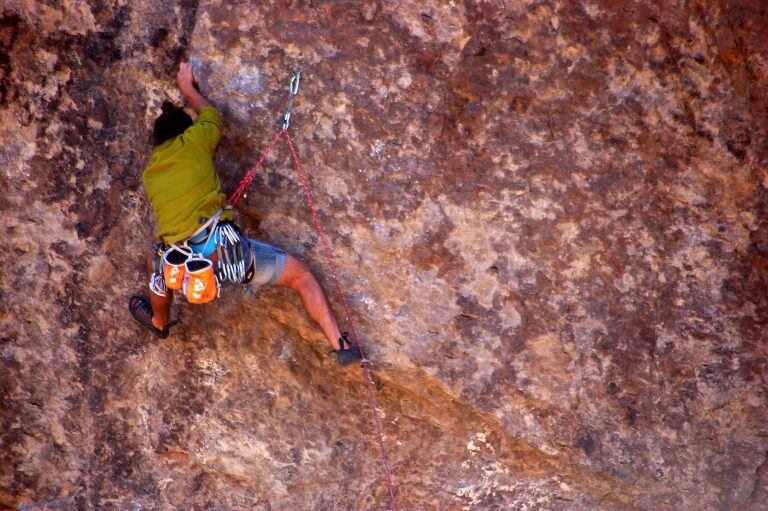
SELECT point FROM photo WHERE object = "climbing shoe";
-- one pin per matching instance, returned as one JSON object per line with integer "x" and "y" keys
{"x": 141, "y": 310}
{"x": 349, "y": 355}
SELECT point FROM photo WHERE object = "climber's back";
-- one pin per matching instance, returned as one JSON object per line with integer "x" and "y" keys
{"x": 181, "y": 182}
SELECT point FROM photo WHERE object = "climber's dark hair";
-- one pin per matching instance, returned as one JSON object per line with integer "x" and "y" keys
{"x": 171, "y": 123}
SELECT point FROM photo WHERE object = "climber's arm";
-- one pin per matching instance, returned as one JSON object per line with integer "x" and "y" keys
{"x": 206, "y": 131}
{"x": 185, "y": 80}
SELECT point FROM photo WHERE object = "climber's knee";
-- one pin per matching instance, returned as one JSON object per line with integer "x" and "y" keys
{"x": 297, "y": 274}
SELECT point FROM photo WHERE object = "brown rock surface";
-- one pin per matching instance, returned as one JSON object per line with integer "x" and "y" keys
{"x": 550, "y": 216}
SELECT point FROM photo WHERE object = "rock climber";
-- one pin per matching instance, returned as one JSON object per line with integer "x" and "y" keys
{"x": 194, "y": 224}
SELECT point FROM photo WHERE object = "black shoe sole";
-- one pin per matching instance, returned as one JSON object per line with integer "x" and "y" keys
{"x": 160, "y": 334}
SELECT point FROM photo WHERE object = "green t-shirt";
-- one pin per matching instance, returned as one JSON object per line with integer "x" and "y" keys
{"x": 181, "y": 183}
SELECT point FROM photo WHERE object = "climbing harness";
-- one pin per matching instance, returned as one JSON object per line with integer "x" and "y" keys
{"x": 364, "y": 363}
{"x": 181, "y": 267}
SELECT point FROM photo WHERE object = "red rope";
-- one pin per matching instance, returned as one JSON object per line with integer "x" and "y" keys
{"x": 246, "y": 182}
{"x": 364, "y": 367}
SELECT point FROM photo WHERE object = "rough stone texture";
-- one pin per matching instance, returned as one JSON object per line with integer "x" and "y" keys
{"x": 551, "y": 218}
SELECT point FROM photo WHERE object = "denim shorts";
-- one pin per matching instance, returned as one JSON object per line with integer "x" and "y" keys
{"x": 269, "y": 263}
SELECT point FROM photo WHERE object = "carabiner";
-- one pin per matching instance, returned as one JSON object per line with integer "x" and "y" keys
{"x": 293, "y": 88}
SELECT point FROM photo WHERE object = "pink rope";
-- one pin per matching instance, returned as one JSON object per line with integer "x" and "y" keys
{"x": 364, "y": 366}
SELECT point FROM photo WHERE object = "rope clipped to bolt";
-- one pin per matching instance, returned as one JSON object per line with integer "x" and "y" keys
{"x": 293, "y": 88}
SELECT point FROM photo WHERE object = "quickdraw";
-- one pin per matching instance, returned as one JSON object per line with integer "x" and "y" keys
{"x": 293, "y": 88}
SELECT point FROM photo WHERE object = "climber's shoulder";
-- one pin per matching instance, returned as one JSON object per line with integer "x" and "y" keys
{"x": 206, "y": 130}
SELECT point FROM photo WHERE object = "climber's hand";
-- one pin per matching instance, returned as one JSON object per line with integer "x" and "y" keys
{"x": 185, "y": 79}
{"x": 188, "y": 87}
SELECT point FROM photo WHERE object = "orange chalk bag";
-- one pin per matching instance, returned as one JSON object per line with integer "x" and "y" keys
{"x": 174, "y": 266}
{"x": 190, "y": 273}
{"x": 185, "y": 271}
{"x": 200, "y": 284}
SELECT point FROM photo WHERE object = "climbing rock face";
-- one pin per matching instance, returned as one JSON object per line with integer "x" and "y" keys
{"x": 550, "y": 219}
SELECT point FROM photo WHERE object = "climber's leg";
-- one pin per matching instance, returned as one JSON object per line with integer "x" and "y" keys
{"x": 161, "y": 305}
{"x": 273, "y": 266}
{"x": 298, "y": 277}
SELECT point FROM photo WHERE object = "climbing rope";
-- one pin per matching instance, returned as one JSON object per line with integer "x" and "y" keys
{"x": 246, "y": 182}
{"x": 364, "y": 364}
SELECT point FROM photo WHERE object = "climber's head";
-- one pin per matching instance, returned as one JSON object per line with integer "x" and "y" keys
{"x": 171, "y": 123}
